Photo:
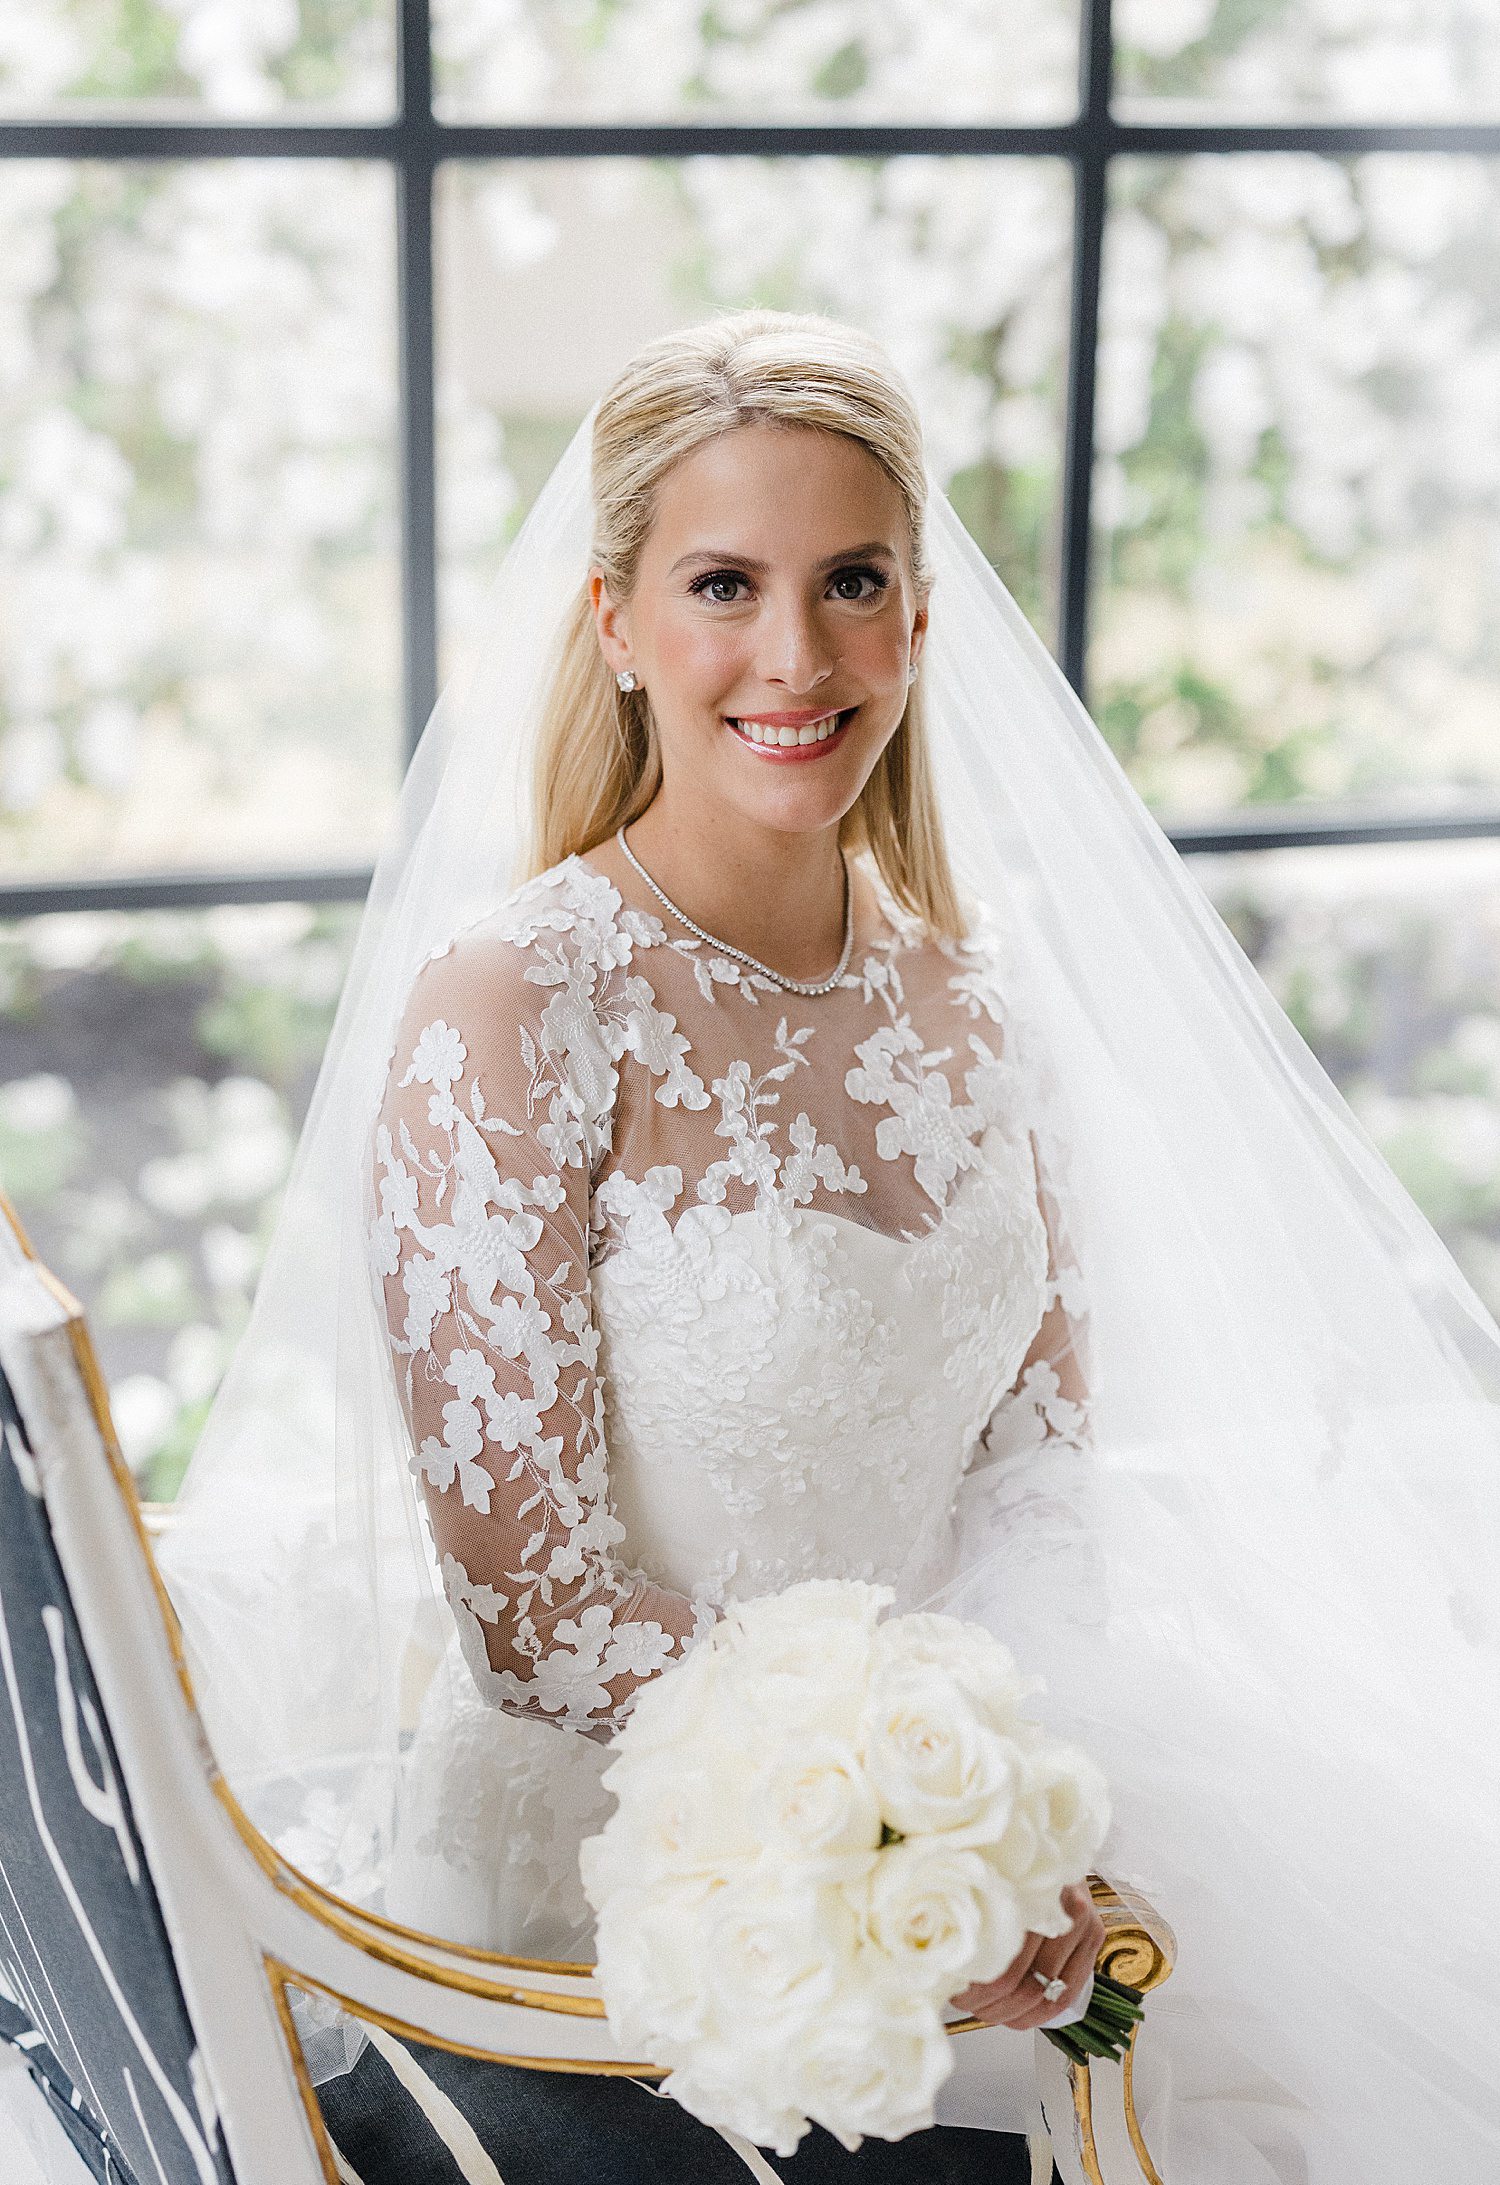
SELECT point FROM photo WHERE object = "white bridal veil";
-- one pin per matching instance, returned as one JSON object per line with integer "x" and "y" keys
{"x": 1264, "y": 1596}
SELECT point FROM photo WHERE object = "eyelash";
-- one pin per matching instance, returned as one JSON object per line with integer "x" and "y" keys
{"x": 735, "y": 576}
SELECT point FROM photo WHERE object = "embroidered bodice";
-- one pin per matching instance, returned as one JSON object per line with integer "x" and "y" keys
{"x": 696, "y": 1286}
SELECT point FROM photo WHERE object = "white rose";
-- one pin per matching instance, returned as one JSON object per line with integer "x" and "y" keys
{"x": 799, "y": 1611}
{"x": 681, "y": 1702}
{"x": 983, "y": 1667}
{"x": 682, "y": 1816}
{"x": 790, "y": 1684}
{"x": 714, "y": 2084}
{"x": 779, "y": 1946}
{"x": 1059, "y": 1821}
{"x": 651, "y": 1974}
{"x": 799, "y": 1658}
{"x": 1070, "y": 1793}
{"x": 872, "y": 2066}
{"x": 942, "y": 1917}
{"x": 815, "y": 1802}
{"x": 627, "y": 1854}
{"x": 934, "y": 1763}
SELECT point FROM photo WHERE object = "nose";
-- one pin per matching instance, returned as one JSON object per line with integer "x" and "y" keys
{"x": 795, "y": 652}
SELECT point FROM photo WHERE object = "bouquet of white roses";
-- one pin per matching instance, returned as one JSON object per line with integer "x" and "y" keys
{"x": 827, "y": 1826}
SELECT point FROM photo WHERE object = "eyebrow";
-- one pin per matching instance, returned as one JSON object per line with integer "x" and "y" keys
{"x": 743, "y": 561}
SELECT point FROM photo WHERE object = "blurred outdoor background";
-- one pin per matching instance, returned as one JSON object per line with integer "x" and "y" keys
{"x": 1201, "y": 302}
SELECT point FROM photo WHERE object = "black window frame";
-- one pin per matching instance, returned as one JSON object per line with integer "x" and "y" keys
{"x": 415, "y": 143}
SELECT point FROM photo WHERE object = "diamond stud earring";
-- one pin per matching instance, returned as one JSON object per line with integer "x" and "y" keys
{"x": 625, "y": 677}
{"x": 911, "y": 671}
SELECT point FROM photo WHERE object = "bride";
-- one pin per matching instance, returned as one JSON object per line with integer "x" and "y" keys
{"x": 704, "y": 1263}
{"x": 840, "y": 1142}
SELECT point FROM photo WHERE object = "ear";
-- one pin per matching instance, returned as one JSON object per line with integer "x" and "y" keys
{"x": 611, "y": 623}
{"x": 919, "y": 630}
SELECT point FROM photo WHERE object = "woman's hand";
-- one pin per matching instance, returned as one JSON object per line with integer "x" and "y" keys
{"x": 1015, "y": 1999}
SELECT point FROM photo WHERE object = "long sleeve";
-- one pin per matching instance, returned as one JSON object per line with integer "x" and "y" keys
{"x": 1049, "y": 1399}
{"x": 495, "y": 1112}
{"x": 1022, "y": 1532}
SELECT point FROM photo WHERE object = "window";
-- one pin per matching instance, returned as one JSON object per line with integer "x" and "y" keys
{"x": 1201, "y": 305}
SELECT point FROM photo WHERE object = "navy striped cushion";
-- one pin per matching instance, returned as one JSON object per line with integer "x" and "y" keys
{"x": 408, "y": 2114}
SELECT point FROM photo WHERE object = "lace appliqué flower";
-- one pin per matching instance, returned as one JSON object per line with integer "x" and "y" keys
{"x": 779, "y": 1187}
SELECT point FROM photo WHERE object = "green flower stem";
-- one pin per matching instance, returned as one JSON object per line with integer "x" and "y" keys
{"x": 1075, "y": 2052}
{"x": 1106, "y": 2027}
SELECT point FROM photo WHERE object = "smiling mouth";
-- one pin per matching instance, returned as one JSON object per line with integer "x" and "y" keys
{"x": 809, "y": 742}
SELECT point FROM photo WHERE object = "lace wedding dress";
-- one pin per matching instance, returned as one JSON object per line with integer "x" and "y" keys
{"x": 695, "y": 1287}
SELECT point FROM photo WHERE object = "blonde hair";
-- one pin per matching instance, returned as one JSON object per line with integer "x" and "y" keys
{"x": 598, "y": 760}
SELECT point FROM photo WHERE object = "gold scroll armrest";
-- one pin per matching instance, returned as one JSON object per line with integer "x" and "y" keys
{"x": 1091, "y": 2115}
{"x": 1139, "y": 1948}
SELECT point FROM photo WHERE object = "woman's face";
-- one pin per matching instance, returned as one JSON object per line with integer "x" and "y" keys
{"x": 773, "y": 591}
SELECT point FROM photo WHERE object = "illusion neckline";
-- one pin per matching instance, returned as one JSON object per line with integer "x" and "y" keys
{"x": 896, "y": 931}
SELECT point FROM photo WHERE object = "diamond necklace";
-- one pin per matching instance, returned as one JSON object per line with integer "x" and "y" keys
{"x": 794, "y": 986}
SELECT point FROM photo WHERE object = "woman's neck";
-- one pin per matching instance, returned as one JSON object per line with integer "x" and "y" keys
{"x": 778, "y": 897}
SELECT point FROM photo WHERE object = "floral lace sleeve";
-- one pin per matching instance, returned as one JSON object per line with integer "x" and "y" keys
{"x": 1026, "y": 1520}
{"x": 1049, "y": 1399}
{"x": 1047, "y": 1405}
{"x": 484, "y": 1150}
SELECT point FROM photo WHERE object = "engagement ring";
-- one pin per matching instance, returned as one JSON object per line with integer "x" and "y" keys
{"x": 1052, "y": 1988}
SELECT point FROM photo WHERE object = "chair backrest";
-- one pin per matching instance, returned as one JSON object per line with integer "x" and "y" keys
{"x": 83, "y": 1945}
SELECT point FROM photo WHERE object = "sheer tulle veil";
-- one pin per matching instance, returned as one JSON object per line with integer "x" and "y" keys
{"x": 1263, "y": 1595}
